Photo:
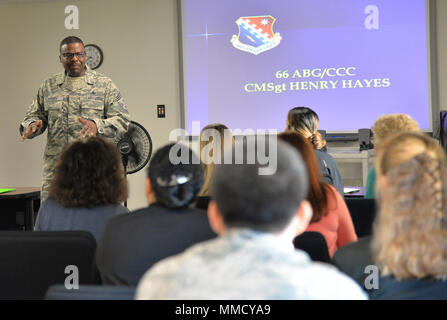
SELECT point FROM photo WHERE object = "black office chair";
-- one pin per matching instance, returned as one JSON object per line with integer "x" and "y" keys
{"x": 363, "y": 212}
{"x": 32, "y": 261}
{"x": 314, "y": 244}
{"x": 443, "y": 129}
{"x": 90, "y": 292}
{"x": 202, "y": 202}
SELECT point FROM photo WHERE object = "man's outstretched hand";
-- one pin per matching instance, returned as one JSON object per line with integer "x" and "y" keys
{"x": 32, "y": 128}
{"x": 89, "y": 129}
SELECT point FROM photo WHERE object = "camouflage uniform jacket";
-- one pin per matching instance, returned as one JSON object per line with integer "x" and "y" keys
{"x": 97, "y": 99}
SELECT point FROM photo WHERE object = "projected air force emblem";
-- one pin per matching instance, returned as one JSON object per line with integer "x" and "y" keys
{"x": 256, "y": 34}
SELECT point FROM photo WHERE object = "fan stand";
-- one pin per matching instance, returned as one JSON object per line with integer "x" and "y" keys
{"x": 129, "y": 146}
{"x": 125, "y": 160}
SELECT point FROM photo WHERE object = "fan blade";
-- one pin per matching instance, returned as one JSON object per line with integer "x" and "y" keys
{"x": 131, "y": 131}
{"x": 134, "y": 156}
{"x": 141, "y": 151}
{"x": 125, "y": 159}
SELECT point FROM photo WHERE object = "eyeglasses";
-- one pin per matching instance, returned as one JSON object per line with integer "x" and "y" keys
{"x": 70, "y": 56}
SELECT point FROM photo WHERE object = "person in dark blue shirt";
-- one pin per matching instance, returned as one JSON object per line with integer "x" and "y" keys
{"x": 305, "y": 121}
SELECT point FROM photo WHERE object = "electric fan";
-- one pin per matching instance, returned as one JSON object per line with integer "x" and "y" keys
{"x": 135, "y": 147}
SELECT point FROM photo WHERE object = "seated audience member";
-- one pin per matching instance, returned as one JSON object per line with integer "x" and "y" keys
{"x": 257, "y": 217}
{"x": 353, "y": 259}
{"x": 305, "y": 121}
{"x": 330, "y": 214}
{"x": 386, "y": 126}
{"x": 132, "y": 243}
{"x": 212, "y": 146}
{"x": 88, "y": 185}
{"x": 410, "y": 235}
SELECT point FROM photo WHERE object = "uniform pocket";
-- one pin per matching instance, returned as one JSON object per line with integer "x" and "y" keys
{"x": 54, "y": 108}
{"x": 53, "y": 104}
{"x": 92, "y": 110}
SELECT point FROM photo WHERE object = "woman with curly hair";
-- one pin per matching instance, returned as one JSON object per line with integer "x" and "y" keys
{"x": 305, "y": 121}
{"x": 331, "y": 216}
{"x": 410, "y": 232}
{"x": 88, "y": 186}
{"x": 384, "y": 127}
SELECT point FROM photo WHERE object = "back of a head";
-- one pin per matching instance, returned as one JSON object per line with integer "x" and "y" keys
{"x": 89, "y": 173}
{"x": 214, "y": 138}
{"x": 317, "y": 196}
{"x": 267, "y": 203}
{"x": 395, "y": 152}
{"x": 176, "y": 175}
{"x": 410, "y": 234}
{"x": 391, "y": 124}
{"x": 305, "y": 121}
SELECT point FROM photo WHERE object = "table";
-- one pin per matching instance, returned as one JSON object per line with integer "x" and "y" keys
{"x": 23, "y": 199}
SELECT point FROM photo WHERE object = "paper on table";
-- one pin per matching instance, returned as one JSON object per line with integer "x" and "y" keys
{"x": 350, "y": 190}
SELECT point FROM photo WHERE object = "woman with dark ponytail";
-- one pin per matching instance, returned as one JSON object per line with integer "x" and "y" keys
{"x": 133, "y": 242}
{"x": 305, "y": 121}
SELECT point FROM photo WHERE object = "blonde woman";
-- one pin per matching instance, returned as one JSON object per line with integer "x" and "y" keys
{"x": 214, "y": 138}
{"x": 305, "y": 121}
{"x": 384, "y": 127}
{"x": 410, "y": 234}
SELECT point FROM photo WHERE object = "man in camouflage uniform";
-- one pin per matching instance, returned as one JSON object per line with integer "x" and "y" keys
{"x": 73, "y": 104}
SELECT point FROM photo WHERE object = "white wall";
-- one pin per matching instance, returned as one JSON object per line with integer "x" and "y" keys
{"x": 139, "y": 40}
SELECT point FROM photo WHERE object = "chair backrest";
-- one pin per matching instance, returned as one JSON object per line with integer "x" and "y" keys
{"x": 363, "y": 212}
{"x": 90, "y": 292}
{"x": 443, "y": 129}
{"x": 314, "y": 244}
{"x": 32, "y": 261}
